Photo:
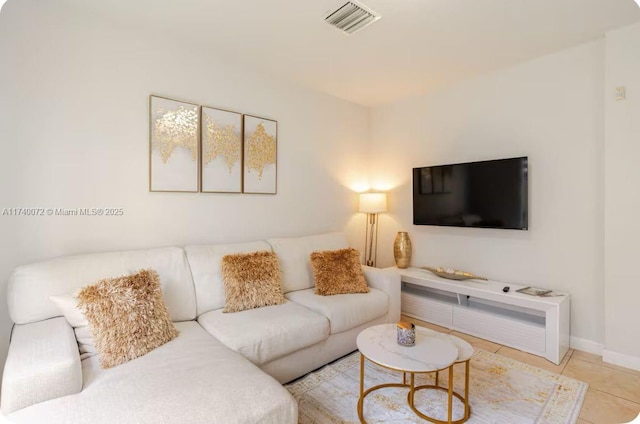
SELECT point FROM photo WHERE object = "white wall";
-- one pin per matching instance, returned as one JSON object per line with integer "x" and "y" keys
{"x": 551, "y": 110}
{"x": 622, "y": 199}
{"x": 74, "y": 133}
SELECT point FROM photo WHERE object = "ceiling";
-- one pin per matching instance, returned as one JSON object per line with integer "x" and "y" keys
{"x": 417, "y": 46}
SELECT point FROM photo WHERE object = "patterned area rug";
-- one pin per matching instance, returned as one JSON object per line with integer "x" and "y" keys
{"x": 502, "y": 391}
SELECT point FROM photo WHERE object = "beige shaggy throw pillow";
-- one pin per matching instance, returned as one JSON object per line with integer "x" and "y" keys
{"x": 338, "y": 272}
{"x": 127, "y": 315}
{"x": 251, "y": 280}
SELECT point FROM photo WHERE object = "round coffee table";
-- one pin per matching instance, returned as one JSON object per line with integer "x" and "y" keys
{"x": 465, "y": 352}
{"x": 433, "y": 352}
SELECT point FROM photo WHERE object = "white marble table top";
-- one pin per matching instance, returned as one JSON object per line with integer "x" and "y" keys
{"x": 430, "y": 353}
{"x": 465, "y": 350}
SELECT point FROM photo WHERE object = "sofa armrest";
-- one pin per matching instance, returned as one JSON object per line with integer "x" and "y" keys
{"x": 43, "y": 363}
{"x": 387, "y": 280}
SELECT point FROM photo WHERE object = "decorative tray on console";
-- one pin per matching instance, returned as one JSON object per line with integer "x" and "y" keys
{"x": 452, "y": 274}
{"x": 534, "y": 291}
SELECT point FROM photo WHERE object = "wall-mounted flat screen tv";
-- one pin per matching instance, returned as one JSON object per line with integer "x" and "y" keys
{"x": 487, "y": 194}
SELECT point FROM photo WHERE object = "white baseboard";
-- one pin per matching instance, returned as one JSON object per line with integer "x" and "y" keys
{"x": 586, "y": 345}
{"x": 621, "y": 359}
{"x": 609, "y": 356}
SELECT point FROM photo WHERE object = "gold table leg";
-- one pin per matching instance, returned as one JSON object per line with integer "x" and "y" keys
{"x": 449, "y": 399}
{"x": 413, "y": 389}
{"x": 450, "y": 395}
{"x": 364, "y": 393}
{"x": 467, "y": 408}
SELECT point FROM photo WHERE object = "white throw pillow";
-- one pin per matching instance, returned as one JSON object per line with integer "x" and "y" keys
{"x": 86, "y": 345}
{"x": 68, "y": 305}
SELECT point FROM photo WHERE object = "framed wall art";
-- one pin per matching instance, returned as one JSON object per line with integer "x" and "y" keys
{"x": 221, "y": 151}
{"x": 173, "y": 147}
{"x": 260, "y": 155}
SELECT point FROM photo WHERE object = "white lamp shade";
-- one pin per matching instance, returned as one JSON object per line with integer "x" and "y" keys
{"x": 373, "y": 202}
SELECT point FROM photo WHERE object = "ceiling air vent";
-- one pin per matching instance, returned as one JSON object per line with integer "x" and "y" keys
{"x": 351, "y": 17}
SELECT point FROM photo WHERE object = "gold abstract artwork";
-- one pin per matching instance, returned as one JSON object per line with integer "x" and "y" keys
{"x": 260, "y": 150}
{"x": 176, "y": 128}
{"x": 221, "y": 141}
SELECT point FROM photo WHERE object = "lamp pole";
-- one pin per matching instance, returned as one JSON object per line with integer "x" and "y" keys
{"x": 372, "y": 222}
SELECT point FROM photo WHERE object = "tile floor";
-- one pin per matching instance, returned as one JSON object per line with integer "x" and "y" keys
{"x": 614, "y": 392}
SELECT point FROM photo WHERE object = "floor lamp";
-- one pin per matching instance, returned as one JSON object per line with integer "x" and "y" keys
{"x": 372, "y": 204}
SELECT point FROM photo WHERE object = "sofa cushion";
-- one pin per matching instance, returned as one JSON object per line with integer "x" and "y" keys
{"x": 206, "y": 266}
{"x": 192, "y": 379}
{"x": 344, "y": 311}
{"x": 264, "y": 334}
{"x": 251, "y": 280}
{"x": 30, "y": 286}
{"x": 42, "y": 364}
{"x": 338, "y": 272}
{"x": 127, "y": 316}
{"x": 293, "y": 254}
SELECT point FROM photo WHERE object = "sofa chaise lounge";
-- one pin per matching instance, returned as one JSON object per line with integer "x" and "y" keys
{"x": 222, "y": 368}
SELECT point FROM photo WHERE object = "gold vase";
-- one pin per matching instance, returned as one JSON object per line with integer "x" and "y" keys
{"x": 402, "y": 249}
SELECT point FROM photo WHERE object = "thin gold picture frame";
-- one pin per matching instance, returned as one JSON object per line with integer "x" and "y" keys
{"x": 261, "y": 161}
{"x": 176, "y": 126}
{"x": 203, "y": 128}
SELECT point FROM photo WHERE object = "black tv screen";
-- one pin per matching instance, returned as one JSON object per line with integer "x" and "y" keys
{"x": 487, "y": 194}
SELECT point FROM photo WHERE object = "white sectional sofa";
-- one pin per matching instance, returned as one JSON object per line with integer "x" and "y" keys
{"x": 222, "y": 368}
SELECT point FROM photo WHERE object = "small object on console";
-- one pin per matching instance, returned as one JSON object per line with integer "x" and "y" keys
{"x": 534, "y": 291}
{"x": 506, "y": 289}
{"x": 452, "y": 274}
{"x": 406, "y": 333}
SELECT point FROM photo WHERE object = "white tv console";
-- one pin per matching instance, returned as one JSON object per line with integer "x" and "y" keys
{"x": 534, "y": 324}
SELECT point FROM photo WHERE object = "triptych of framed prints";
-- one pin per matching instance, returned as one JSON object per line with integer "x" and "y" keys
{"x": 198, "y": 148}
